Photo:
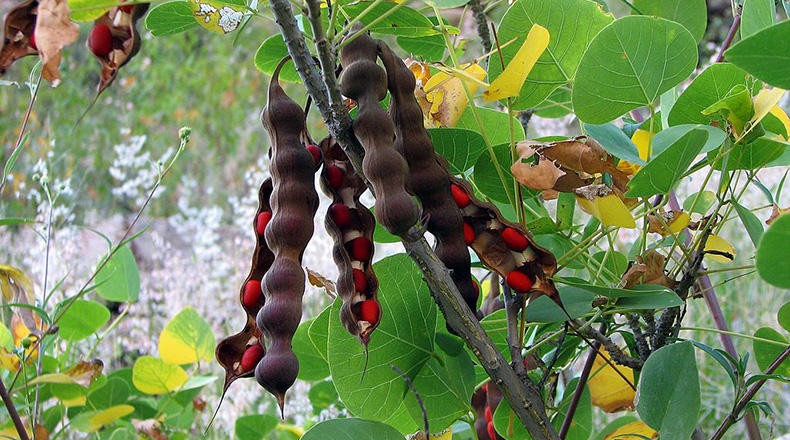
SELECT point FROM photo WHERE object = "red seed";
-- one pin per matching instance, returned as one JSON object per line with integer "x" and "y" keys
{"x": 361, "y": 249}
{"x": 469, "y": 234}
{"x": 514, "y": 240}
{"x": 369, "y": 311}
{"x": 316, "y": 152}
{"x": 460, "y": 196}
{"x": 32, "y": 41}
{"x": 360, "y": 281}
{"x": 127, "y": 9}
{"x": 518, "y": 281}
{"x": 262, "y": 221}
{"x": 477, "y": 289}
{"x": 252, "y": 293}
{"x": 252, "y": 355}
{"x": 491, "y": 431}
{"x": 341, "y": 215}
{"x": 100, "y": 40}
{"x": 335, "y": 176}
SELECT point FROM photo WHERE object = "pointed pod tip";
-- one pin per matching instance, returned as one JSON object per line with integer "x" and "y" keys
{"x": 281, "y": 404}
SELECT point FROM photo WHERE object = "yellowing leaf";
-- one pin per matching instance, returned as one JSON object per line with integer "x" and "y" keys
{"x": 643, "y": 140}
{"x": 54, "y": 31}
{"x": 782, "y": 116}
{"x": 600, "y": 202}
{"x": 509, "y": 82}
{"x": 637, "y": 430}
{"x": 668, "y": 223}
{"x": 153, "y": 376}
{"x": 443, "y": 98}
{"x": 719, "y": 249}
{"x": 215, "y": 16}
{"x": 186, "y": 339}
{"x": 15, "y": 285}
{"x": 765, "y": 100}
{"x": 608, "y": 390}
{"x": 92, "y": 421}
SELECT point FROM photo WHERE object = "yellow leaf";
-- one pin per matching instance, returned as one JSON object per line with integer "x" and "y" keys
{"x": 782, "y": 116}
{"x": 509, "y": 82}
{"x": 444, "y": 98}
{"x": 637, "y": 430}
{"x": 15, "y": 285}
{"x": 643, "y": 140}
{"x": 609, "y": 209}
{"x": 186, "y": 339}
{"x": 608, "y": 390}
{"x": 153, "y": 376}
{"x": 680, "y": 222}
{"x": 719, "y": 249}
{"x": 765, "y": 100}
{"x": 668, "y": 223}
{"x": 108, "y": 416}
{"x": 21, "y": 330}
{"x": 216, "y": 16}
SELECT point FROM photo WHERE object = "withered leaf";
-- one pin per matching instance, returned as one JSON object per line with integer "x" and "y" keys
{"x": 85, "y": 372}
{"x": 776, "y": 211}
{"x": 20, "y": 23}
{"x": 667, "y": 223}
{"x": 54, "y": 31}
{"x": 318, "y": 280}
{"x": 648, "y": 270}
{"x": 542, "y": 176}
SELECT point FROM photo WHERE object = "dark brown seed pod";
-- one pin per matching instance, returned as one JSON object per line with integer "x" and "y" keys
{"x": 348, "y": 221}
{"x": 427, "y": 178}
{"x": 114, "y": 40}
{"x": 294, "y": 202}
{"x": 366, "y": 82}
{"x": 20, "y": 23}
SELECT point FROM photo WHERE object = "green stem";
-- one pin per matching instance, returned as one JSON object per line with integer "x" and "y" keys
{"x": 739, "y": 335}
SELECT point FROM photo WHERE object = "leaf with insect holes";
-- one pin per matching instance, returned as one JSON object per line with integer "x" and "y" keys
{"x": 221, "y": 17}
{"x": 443, "y": 98}
{"x": 187, "y": 339}
{"x": 509, "y": 82}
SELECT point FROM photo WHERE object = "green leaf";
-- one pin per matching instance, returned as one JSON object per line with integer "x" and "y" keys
{"x": 318, "y": 333}
{"x": 429, "y": 48}
{"x": 692, "y": 14}
{"x": 614, "y": 262}
{"x": 756, "y": 154}
{"x": 756, "y": 16}
{"x": 630, "y": 63}
{"x": 773, "y": 253}
{"x": 700, "y": 202}
{"x": 82, "y": 319}
{"x": 664, "y": 171}
{"x": 577, "y": 302}
{"x": 187, "y": 339}
{"x": 348, "y": 429}
{"x": 668, "y": 136}
{"x": 645, "y": 296}
{"x": 92, "y": 421}
{"x": 312, "y": 366}
{"x": 16, "y": 221}
{"x": 765, "y": 353}
{"x": 783, "y": 316}
{"x": 560, "y": 245}
{"x": 710, "y": 86}
{"x": 736, "y": 106}
{"x": 119, "y": 279}
{"x": 765, "y": 55}
{"x": 322, "y": 395}
{"x": 169, "y": 18}
{"x": 441, "y": 4}
{"x": 753, "y": 225}
{"x": 405, "y": 21}
{"x": 571, "y": 25}
{"x": 613, "y": 140}
{"x": 566, "y": 205}
{"x": 461, "y": 147}
{"x": 557, "y": 105}
{"x": 255, "y": 426}
{"x": 404, "y": 338}
{"x": 497, "y": 125}
{"x": 495, "y": 326}
{"x": 487, "y": 178}
{"x": 153, "y": 376}
{"x": 669, "y": 396}
{"x": 270, "y": 53}
{"x": 87, "y": 10}
{"x": 114, "y": 392}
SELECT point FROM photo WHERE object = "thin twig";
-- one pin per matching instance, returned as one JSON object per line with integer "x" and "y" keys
{"x": 577, "y": 394}
{"x": 482, "y": 24}
{"x": 22, "y": 130}
{"x": 736, "y": 23}
{"x": 417, "y": 396}
{"x": 327, "y": 59}
{"x": 513, "y": 340}
{"x": 13, "y": 413}
{"x": 616, "y": 353}
{"x": 642, "y": 346}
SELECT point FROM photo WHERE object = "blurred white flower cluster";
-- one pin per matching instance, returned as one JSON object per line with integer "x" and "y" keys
{"x": 134, "y": 169}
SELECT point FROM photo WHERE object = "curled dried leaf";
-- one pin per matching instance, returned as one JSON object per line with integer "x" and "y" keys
{"x": 776, "y": 211}
{"x": 19, "y": 26}
{"x": 649, "y": 269}
{"x": 318, "y": 280}
{"x": 542, "y": 176}
{"x": 668, "y": 223}
{"x": 443, "y": 98}
{"x": 54, "y": 31}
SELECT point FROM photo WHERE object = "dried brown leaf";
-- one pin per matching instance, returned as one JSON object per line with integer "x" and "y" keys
{"x": 17, "y": 30}
{"x": 776, "y": 211}
{"x": 54, "y": 31}
{"x": 86, "y": 371}
{"x": 648, "y": 270}
{"x": 318, "y": 280}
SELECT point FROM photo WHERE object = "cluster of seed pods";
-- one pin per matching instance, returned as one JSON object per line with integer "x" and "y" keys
{"x": 351, "y": 226}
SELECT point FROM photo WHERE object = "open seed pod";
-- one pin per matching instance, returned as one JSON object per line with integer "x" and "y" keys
{"x": 114, "y": 41}
{"x": 18, "y": 38}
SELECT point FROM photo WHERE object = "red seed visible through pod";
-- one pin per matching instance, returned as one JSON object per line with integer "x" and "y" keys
{"x": 335, "y": 176}
{"x": 518, "y": 281}
{"x": 100, "y": 40}
{"x": 252, "y": 355}
{"x": 315, "y": 151}
{"x": 128, "y": 8}
{"x": 369, "y": 311}
{"x": 32, "y": 41}
{"x": 514, "y": 240}
{"x": 488, "y": 414}
{"x": 341, "y": 215}
{"x": 360, "y": 281}
{"x": 262, "y": 221}
{"x": 469, "y": 234}
{"x": 361, "y": 249}
{"x": 491, "y": 431}
{"x": 460, "y": 196}
{"x": 252, "y": 293}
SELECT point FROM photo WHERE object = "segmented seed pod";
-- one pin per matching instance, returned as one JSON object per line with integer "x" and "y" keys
{"x": 366, "y": 82}
{"x": 351, "y": 226}
{"x": 239, "y": 354}
{"x": 294, "y": 202}
{"x": 427, "y": 178}
{"x": 505, "y": 247}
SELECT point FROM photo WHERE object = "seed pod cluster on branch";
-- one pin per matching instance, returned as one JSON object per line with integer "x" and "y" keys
{"x": 294, "y": 202}
{"x": 351, "y": 226}
{"x": 114, "y": 40}
{"x": 364, "y": 81}
{"x": 427, "y": 178}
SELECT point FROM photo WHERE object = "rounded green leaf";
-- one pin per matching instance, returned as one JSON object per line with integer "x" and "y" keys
{"x": 669, "y": 396}
{"x": 321, "y": 395}
{"x": 312, "y": 365}
{"x": 186, "y": 339}
{"x": 119, "y": 279}
{"x": 169, "y": 18}
{"x": 404, "y": 21}
{"x": 783, "y": 316}
{"x": 765, "y": 55}
{"x": 571, "y": 25}
{"x": 405, "y": 338}
{"x": 88, "y": 10}
{"x": 692, "y": 14}
{"x": 153, "y": 376}
{"x": 461, "y": 147}
{"x": 765, "y": 353}
{"x": 773, "y": 253}
{"x": 269, "y": 55}
{"x": 496, "y": 124}
{"x": 756, "y": 154}
{"x": 630, "y": 63}
{"x": 255, "y": 426}
{"x": 92, "y": 421}
{"x": 487, "y": 174}
{"x": 709, "y": 87}
{"x": 352, "y": 429}
{"x": 114, "y": 392}
{"x": 661, "y": 174}
{"x": 756, "y": 16}
{"x": 82, "y": 319}
{"x": 668, "y": 136}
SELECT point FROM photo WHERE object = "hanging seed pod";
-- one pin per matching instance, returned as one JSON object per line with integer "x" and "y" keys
{"x": 427, "y": 178}
{"x": 366, "y": 82}
{"x": 294, "y": 202}
{"x": 114, "y": 40}
{"x": 18, "y": 34}
{"x": 237, "y": 353}
{"x": 351, "y": 226}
